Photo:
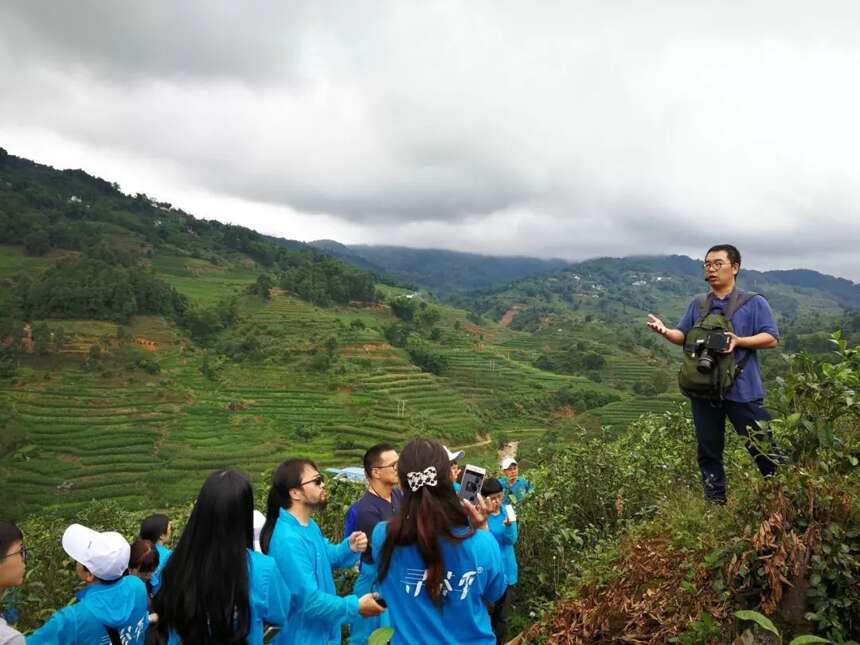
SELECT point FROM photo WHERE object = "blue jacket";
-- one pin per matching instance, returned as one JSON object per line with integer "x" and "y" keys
{"x": 507, "y": 537}
{"x": 269, "y": 598}
{"x": 163, "y": 555}
{"x": 474, "y": 577}
{"x": 515, "y": 492}
{"x": 305, "y": 559}
{"x": 121, "y": 605}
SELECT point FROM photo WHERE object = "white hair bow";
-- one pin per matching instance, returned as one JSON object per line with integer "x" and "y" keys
{"x": 427, "y": 477}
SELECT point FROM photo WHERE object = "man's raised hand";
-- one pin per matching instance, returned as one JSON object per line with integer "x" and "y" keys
{"x": 655, "y": 324}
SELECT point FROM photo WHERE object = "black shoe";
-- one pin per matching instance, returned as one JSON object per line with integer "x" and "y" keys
{"x": 716, "y": 499}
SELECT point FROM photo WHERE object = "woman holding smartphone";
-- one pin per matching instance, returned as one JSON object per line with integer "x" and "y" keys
{"x": 438, "y": 563}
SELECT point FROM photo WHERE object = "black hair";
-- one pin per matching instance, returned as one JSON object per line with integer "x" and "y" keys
{"x": 731, "y": 251}
{"x": 204, "y": 595}
{"x": 427, "y": 515}
{"x": 371, "y": 457}
{"x": 9, "y": 534}
{"x": 286, "y": 477}
{"x": 143, "y": 557}
{"x": 491, "y": 487}
{"x": 153, "y": 527}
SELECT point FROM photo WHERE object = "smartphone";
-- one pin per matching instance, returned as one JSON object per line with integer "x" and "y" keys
{"x": 717, "y": 341}
{"x": 510, "y": 513}
{"x": 473, "y": 479}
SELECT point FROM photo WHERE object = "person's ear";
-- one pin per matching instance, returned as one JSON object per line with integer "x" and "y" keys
{"x": 85, "y": 574}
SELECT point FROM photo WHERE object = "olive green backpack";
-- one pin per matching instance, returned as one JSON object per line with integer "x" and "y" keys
{"x": 715, "y": 383}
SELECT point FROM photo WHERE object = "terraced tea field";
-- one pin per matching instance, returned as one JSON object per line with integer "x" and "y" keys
{"x": 621, "y": 413}
{"x": 104, "y": 429}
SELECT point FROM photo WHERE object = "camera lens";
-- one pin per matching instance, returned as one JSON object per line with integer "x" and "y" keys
{"x": 705, "y": 363}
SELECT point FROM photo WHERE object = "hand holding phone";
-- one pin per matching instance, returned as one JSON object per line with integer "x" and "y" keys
{"x": 473, "y": 480}
{"x": 510, "y": 514}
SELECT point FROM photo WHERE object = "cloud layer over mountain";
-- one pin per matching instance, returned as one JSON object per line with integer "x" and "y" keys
{"x": 568, "y": 129}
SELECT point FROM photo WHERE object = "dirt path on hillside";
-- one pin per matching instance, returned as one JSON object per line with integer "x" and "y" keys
{"x": 483, "y": 442}
{"x": 509, "y": 315}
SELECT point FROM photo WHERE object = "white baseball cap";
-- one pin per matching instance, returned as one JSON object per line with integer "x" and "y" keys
{"x": 105, "y": 555}
{"x": 259, "y": 520}
{"x": 454, "y": 456}
{"x": 507, "y": 462}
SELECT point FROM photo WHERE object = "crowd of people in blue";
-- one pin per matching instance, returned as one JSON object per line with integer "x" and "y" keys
{"x": 432, "y": 566}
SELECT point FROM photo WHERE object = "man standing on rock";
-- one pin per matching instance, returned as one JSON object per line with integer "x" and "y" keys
{"x": 721, "y": 332}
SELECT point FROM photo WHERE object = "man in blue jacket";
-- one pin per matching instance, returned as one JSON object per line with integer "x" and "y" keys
{"x": 515, "y": 487}
{"x": 754, "y": 329}
{"x": 110, "y": 606}
{"x": 306, "y": 558}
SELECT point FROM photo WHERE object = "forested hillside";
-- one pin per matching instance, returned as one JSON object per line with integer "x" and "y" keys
{"x": 142, "y": 347}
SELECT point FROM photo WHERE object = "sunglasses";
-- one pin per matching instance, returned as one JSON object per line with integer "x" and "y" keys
{"x": 23, "y": 551}
{"x": 318, "y": 480}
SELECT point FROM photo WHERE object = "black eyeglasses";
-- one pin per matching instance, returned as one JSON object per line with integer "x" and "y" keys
{"x": 391, "y": 465}
{"x": 318, "y": 480}
{"x": 23, "y": 551}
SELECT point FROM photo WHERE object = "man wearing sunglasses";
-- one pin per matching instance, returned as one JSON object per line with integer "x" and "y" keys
{"x": 754, "y": 328}
{"x": 379, "y": 504}
{"x": 306, "y": 558}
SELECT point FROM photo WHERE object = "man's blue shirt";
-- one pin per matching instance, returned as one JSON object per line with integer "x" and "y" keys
{"x": 753, "y": 317}
{"x": 370, "y": 510}
{"x": 474, "y": 576}
{"x": 305, "y": 559}
{"x": 515, "y": 492}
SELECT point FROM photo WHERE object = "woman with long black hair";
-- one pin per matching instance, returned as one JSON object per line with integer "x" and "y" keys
{"x": 438, "y": 564}
{"x": 215, "y": 587}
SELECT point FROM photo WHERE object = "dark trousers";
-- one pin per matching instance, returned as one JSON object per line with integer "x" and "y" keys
{"x": 709, "y": 418}
{"x": 499, "y": 615}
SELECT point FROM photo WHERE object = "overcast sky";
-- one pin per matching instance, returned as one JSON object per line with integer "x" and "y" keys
{"x": 555, "y": 129}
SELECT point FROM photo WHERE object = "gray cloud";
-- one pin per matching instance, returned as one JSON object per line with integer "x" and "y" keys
{"x": 567, "y": 129}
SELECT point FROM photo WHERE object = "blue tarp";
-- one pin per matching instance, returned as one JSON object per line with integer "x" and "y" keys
{"x": 350, "y": 473}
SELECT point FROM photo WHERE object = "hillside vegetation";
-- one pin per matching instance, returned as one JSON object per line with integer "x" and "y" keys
{"x": 141, "y": 347}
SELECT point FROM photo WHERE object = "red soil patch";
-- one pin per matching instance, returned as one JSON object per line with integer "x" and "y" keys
{"x": 148, "y": 345}
{"x": 344, "y": 388}
{"x": 509, "y": 315}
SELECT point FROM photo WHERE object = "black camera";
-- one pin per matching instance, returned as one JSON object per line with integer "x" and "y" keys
{"x": 707, "y": 346}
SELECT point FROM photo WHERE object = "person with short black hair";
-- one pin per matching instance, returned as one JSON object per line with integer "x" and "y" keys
{"x": 750, "y": 327}
{"x": 112, "y": 608}
{"x": 215, "y": 588}
{"x": 377, "y": 505}
{"x": 506, "y": 533}
{"x": 306, "y": 558}
{"x": 438, "y": 565}
{"x": 13, "y": 564}
{"x": 156, "y": 529}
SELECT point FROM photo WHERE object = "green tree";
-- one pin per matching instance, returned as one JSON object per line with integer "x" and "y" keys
{"x": 37, "y": 243}
{"x": 404, "y": 308}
